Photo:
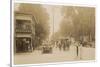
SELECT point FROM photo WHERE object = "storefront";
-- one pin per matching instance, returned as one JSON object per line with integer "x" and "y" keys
{"x": 24, "y": 33}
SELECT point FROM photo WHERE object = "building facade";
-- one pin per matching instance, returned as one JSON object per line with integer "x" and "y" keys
{"x": 24, "y": 32}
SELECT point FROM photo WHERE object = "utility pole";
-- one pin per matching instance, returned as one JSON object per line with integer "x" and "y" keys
{"x": 53, "y": 20}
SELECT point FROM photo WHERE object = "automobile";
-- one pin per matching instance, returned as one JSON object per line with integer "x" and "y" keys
{"x": 46, "y": 49}
{"x": 88, "y": 44}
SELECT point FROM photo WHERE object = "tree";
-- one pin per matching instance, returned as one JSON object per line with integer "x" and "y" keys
{"x": 78, "y": 21}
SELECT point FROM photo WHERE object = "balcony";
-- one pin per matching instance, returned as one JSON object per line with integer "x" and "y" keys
{"x": 23, "y": 30}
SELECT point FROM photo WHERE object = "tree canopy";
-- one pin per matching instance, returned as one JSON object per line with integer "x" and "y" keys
{"x": 78, "y": 21}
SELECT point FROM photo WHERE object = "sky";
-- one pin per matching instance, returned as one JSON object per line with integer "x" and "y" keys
{"x": 16, "y": 7}
{"x": 55, "y": 17}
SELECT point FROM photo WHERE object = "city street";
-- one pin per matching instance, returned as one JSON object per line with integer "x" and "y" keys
{"x": 56, "y": 34}
{"x": 56, "y": 56}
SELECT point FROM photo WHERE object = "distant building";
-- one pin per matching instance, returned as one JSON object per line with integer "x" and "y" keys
{"x": 24, "y": 32}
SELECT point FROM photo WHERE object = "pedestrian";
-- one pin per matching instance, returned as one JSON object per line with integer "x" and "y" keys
{"x": 68, "y": 44}
{"x": 64, "y": 45}
{"x": 60, "y": 45}
{"x": 77, "y": 51}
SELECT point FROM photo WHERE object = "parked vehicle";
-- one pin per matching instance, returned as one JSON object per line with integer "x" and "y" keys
{"x": 88, "y": 44}
{"x": 46, "y": 48}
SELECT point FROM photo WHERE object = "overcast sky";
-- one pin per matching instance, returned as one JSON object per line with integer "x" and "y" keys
{"x": 55, "y": 17}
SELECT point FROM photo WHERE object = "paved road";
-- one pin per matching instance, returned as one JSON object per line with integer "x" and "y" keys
{"x": 55, "y": 56}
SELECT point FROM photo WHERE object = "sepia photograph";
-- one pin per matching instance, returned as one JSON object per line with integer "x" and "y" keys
{"x": 44, "y": 33}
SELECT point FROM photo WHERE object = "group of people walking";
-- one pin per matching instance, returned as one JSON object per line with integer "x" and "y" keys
{"x": 63, "y": 44}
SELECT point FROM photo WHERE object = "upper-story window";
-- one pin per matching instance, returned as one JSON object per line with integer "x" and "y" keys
{"x": 23, "y": 25}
